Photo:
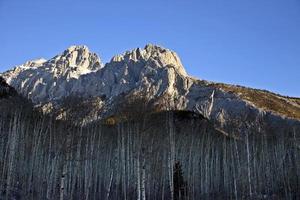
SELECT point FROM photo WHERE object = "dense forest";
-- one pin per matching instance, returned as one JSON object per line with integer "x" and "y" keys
{"x": 159, "y": 155}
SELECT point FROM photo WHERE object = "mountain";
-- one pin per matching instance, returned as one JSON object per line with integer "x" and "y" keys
{"x": 76, "y": 85}
{"x": 41, "y": 80}
{"x": 139, "y": 127}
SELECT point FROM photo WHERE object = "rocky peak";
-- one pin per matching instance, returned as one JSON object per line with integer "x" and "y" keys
{"x": 152, "y": 69}
{"x": 78, "y": 58}
{"x": 41, "y": 80}
{"x": 158, "y": 56}
{"x": 34, "y": 63}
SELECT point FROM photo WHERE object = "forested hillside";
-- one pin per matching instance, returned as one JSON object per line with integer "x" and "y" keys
{"x": 165, "y": 155}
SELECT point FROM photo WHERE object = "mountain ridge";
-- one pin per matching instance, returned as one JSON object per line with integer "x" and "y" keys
{"x": 153, "y": 72}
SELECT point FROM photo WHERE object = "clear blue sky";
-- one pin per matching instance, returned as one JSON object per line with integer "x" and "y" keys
{"x": 254, "y": 43}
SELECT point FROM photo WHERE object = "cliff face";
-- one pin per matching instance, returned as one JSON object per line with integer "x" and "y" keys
{"x": 77, "y": 79}
{"x": 44, "y": 81}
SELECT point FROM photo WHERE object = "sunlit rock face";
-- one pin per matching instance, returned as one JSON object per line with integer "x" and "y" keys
{"x": 48, "y": 80}
{"x": 78, "y": 71}
{"x": 153, "y": 72}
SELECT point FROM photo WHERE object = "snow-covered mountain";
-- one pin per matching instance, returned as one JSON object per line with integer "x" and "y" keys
{"x": 75, "y": 84}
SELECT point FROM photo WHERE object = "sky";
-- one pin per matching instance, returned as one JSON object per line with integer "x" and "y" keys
{"x": 252, "y": 43}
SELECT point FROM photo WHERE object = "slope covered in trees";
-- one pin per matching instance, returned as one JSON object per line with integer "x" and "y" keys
{"x": 164, "y": 155}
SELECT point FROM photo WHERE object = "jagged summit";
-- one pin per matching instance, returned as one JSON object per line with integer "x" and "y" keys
{"x": 152, "y": 69}
{"x": 34, "y": 63}
{"x": 79, "y": 58}
{"x": 160, "y": 56}
{"x": 77, "y": 48}
{"x": 46, "y": 80}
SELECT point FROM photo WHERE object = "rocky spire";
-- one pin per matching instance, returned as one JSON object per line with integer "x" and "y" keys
{"x": 41, "y": 80}
{"x": 165, "y": 57}
{"x": 159, "y": 56}
{"x": 76, "y": 60}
